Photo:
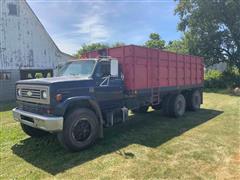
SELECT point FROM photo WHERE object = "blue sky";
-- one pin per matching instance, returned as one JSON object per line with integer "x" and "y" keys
{"x": 72, "y": 23}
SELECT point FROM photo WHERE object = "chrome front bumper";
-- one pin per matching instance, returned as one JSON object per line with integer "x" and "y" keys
{"x": 51, "y": 124}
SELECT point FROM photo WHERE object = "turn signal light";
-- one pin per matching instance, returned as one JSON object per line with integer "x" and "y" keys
{"x": 59, "y": 97}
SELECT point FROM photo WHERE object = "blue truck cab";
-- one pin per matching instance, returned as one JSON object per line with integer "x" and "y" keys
{"x": 75, "y": 104}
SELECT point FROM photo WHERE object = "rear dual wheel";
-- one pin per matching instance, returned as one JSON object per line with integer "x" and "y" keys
{"x": 194, "y": 100}
{"x": 174, "y": 105}
{"x": 166, "y": 105}
{"x": 177, "y": 105}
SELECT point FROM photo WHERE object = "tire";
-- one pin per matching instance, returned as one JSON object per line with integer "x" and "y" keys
{"x": 33, "y": 132}
{"x": 177, "y": 105}
{"x": 80, "y": 130}
{"x": 142, "y": 109}
{"x": 194, "y": 100}
{"x": 166, "y": 105}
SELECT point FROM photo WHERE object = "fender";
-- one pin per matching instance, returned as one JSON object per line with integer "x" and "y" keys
{"x": 62, "y": 107}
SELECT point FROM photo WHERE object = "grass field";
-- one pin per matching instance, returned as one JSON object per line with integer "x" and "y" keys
{"x": 200, "y": 145}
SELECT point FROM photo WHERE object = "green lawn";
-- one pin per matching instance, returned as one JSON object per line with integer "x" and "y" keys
{"x": 200, "y": 145}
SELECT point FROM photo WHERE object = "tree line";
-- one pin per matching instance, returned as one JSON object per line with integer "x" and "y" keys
{"x": 155, "y": 41}
{"x": 211, "y": 29}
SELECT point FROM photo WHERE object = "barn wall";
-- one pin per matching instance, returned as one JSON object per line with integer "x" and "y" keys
{"x": 25, "y": 44}
{"x": 7, "y": 87}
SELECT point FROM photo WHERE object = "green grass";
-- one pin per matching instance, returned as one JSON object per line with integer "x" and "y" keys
{"x": 200, "y": 145}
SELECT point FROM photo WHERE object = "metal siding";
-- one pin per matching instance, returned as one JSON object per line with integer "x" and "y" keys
{"x": 25, "y": 44}
{"x": 142, "y": 72}
{"x": 7, "y": 87}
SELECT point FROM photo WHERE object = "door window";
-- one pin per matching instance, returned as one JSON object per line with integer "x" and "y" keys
{"x": 103, "y": 69}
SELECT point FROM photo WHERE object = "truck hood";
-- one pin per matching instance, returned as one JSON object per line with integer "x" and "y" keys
{"x": 52, "y": 80}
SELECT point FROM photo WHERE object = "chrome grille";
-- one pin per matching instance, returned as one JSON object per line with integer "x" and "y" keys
{"x": 35, "y": 93}
{"x": 32, "y": 93}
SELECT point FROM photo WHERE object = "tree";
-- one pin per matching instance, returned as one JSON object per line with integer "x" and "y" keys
{"x": 91, "y": 47}
{"x": 155, "y": 41}
{"x": 118, "y": 44}
{"x": 212, "y": 29}
{"x": 96, "y": 46}
{"x": 178, "y": 46}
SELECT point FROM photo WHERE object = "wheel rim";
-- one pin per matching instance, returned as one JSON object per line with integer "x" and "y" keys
{"x": 180, "y": 106}
{"x": 81, "y": 130}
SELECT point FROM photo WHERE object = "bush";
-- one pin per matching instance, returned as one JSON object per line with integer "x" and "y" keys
{"x": 231, "y": 78}
{"x": 38, "y": 75}
{"x": 213, "y": 79}
{"x": 217, "y": 79}
{"x": 226, "y": 79}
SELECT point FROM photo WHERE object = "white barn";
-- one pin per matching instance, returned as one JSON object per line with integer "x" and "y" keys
{"x": 25, "y": 47}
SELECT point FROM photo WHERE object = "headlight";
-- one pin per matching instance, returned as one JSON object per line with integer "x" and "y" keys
{"x": 44, "y": 95}
{"x": 19, "y": 93}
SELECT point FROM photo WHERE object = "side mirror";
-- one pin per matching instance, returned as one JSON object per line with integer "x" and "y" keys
{"x": 114, "y": 68}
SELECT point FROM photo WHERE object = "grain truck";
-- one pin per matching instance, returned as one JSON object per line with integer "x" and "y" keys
{"x": 99, "y": 89}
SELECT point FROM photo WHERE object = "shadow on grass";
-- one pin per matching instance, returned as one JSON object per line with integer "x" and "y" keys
{"x": 7, "y": 106}
{"x": 151, "y": 129}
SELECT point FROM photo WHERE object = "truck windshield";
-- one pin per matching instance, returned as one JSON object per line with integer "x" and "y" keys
{"x": 77, "y": 68}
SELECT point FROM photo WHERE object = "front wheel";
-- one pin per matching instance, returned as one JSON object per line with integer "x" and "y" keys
{"x": 33, "y": 132}
{"x": 80, "y": 130}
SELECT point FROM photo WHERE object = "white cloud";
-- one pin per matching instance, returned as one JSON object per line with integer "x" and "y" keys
{"x": 67, "y": 45}
{"x": 72, "y": 23}
{"x": 88, "y": 27}
{"x": 92, "y": 27}
{"x": 92, "y": 24}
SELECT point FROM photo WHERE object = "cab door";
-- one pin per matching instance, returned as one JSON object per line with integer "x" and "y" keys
{"x": 109, "y": 89}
